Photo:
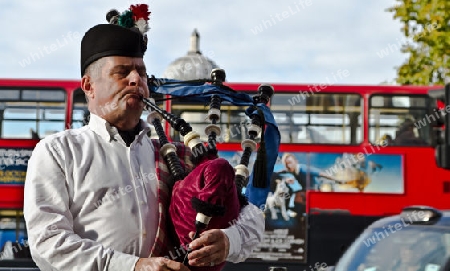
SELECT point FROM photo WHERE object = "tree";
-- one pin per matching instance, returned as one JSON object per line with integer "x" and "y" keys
{"x": 426, "y": 25}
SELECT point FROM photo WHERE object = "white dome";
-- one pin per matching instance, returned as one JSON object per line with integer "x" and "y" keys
{"x": 193, "y": 65}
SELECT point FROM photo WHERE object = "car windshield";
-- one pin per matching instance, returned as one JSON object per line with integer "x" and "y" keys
{"x": 396, "y": 247}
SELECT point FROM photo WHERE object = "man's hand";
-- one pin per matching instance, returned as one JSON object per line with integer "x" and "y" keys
{"x": 159, "y": 264}
{"x": 211, "y": 248}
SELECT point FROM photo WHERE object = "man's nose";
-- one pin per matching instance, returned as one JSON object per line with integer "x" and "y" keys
{"x": 133, "y": 78}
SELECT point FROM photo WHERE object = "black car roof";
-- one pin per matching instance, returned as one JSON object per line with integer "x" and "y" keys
{"x": 443, "y": 221}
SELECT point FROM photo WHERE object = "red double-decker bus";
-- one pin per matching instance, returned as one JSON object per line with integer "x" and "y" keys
{"x": 348, "y": 155}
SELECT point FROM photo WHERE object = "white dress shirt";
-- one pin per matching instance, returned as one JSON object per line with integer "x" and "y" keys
{"x": 90, "y": 202}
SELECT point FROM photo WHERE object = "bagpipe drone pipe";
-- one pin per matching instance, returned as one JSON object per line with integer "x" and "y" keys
{"x": 211, "y": 195}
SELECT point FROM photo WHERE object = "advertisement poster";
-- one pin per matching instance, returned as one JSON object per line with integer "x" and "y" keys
{"x": 349, "y": 172}
{"x": 284, "y": 238}
{"x": 285, "y": 209}
{"x": 13, "y": 165}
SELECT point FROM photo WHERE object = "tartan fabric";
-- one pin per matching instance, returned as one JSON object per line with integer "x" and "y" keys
{"x": 163, "y": 245}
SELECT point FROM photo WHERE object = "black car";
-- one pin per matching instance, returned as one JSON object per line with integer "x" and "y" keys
{"x": 416, "y": 240}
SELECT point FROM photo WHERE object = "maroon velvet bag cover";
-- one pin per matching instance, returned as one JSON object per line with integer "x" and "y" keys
{"x": 212, "y": 181}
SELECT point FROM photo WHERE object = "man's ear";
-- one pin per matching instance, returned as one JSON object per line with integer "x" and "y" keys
{"x": 86, "y": 86}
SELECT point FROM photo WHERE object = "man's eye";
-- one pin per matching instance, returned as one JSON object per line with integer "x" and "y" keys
{"x": 142, "y": 73}
{"x": 121, "y": 72}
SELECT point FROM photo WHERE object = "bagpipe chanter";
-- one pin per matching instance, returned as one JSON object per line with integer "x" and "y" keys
{"x": 212, "y": 194}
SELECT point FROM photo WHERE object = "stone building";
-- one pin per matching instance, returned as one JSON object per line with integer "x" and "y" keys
{"x": 194, "y": 65}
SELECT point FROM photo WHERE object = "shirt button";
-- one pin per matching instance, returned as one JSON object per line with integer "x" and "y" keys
{"x": 141, "y": 202}
{"x": 144, "y": 233}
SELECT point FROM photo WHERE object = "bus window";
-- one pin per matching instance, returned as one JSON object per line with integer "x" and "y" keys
{"x": 80, "y": 112}
{"x": 320, "y": 118}
{"x": 399, "y": 120}
{"x": 13, "y": 237}
{"x": 232, "y": 120}
{"x": 31, "y": 113}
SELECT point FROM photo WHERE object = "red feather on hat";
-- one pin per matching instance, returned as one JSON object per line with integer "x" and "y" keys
{"x": 140, "y": 11}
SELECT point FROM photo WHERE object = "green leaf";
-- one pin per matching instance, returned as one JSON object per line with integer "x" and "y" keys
{"x": 427, "y": 23}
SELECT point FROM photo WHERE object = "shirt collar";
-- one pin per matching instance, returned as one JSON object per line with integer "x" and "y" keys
{"x": 106, "y": 131}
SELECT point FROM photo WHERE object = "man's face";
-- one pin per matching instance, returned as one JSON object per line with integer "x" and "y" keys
{"x": 117, "y": 88}
{"x": 291, "y": 163}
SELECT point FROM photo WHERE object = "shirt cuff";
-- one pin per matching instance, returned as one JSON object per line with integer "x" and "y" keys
{"x": 122, "y": 262}
{"x": 235, "y": 243}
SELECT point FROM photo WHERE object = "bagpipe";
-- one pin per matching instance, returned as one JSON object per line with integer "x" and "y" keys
{"x": 211, "y": 195}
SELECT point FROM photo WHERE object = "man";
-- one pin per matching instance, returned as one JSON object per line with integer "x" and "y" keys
{"x": 405, "y": 135}
{"x": 300, "y": 173}
{"x": 93, "y": 197}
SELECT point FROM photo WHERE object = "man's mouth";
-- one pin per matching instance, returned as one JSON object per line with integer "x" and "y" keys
{"x": 135, "y": 95}
{"x": 133, "y": 98}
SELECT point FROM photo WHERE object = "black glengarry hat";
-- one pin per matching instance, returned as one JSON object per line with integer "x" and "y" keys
{"x": 123, "y": 36}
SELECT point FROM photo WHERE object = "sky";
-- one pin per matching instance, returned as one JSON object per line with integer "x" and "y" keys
{"x": 287, "y": 41}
